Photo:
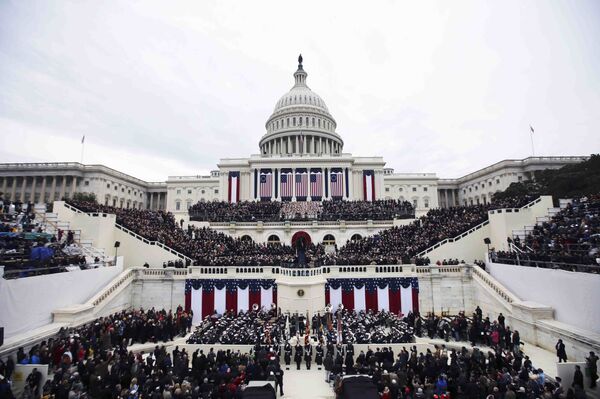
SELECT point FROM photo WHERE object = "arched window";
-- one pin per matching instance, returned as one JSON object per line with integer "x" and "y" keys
{"x": 246, "y": 238}
{"x": 313, "y": 121}
{"x": 356, "y": 237}
{"x": 294, "y": 121}
{"x": 273, "y": 240}
{"x": 319, "y": 121}
{"x": 329, "y": 239}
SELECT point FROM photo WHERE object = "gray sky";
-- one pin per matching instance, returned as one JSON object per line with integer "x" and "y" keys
{"x": 168, "y": 88}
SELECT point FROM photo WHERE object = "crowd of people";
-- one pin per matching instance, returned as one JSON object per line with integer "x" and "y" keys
{"x": 570, "y": 240}
{"x": 255, "y": 327}
{"x": 400, "y": 243}
{"x": 499, "y": 371}
{"x": 94, "y": 361}
{"x": 26, "y": 250}
{"x": 271, "y": 211}
{"x": 207, "y": 247}
{"x": 572, "y": 236}
{"x": 243, "y": 211}
{"x": 367, "y": 210}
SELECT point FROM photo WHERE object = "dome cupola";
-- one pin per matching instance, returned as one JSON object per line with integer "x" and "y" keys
{"x": 300, "y": 123}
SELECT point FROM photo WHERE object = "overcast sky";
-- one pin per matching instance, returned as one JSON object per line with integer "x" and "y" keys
{"x": 169, "y": 88}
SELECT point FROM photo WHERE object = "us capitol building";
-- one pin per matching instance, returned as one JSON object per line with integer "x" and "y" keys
{"x": 301, "y": 159}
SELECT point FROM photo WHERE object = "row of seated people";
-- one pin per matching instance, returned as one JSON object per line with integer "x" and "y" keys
{"x": 210, "y": 248}
{"x": 272, "y": 328}
{"x": 571, "y": 236}
{"x": 587, "y": 264}
{"x": 25, "y": 250}
{"x": 270, "y": 211}
{"x": 94, "y": 361}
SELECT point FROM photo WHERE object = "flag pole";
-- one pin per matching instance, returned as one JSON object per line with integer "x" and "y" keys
{"x": 531, "y": 136}
{"x": 82, "y": 147}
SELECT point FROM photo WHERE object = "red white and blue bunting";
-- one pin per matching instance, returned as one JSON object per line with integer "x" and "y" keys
{"x": 396, "y": 295}
{"x": 205, "y": 296}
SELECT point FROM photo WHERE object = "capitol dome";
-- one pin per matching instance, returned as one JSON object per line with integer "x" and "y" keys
{"x": 300, "y": 123}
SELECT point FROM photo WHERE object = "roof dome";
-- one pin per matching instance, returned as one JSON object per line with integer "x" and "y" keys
{"x": 300, "y": 123}
{"x": 301, "y": 94}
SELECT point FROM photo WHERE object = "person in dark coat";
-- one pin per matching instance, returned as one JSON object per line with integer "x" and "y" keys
{"x": 287, "y": 357}
{"x": 298, "y": 356}
{"x": 319, "y": 355}
{"x": 577, "y": 378}
{"x": 592, "y": 366}
{"x": 308, "y": 355}
{"x": 279, "y": 379}
{"x": 560, "y": 351}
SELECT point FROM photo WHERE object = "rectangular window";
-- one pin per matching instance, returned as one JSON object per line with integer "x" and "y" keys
{"x": 86, "y": 183}
{"x": 424, "y": 188}
{"x": 414, "y": 189}
{"x": 178, "y": 191}
{"x": 189, "y": 191}
{"x": 216, "y": 191}
{"x": 177, "y": 205}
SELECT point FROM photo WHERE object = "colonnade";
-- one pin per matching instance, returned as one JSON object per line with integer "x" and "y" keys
{"x": 35, "y": 188}
{"x": 448, "y": 197}
{"x": 301, "y": 145}
{"x": 156, "y": 200}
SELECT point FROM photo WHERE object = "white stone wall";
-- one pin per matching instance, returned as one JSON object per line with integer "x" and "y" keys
{"x": 418, "y": 188}
{"x": 504, "y": 221}
{"x": 188, "y": 191}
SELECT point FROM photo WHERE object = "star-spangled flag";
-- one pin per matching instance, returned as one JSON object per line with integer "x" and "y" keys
{"x": 266, "y": 184}
{"x": 337, "y": 184}
{"x": 204, "y": 297}
{"x": 396, "y": 295}
{"x": 316, "y": 184}
{"x": 301, "y": 184}
{"x": 287, "y": 185}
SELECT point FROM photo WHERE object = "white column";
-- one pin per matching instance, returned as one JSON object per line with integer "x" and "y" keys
{"x": 323, "y": 183}
{"x": 33, "y": 184}
{"x": 63, "y": 187}
{"x": 73, "y": 186}
{"x": 23, "y": 185}
{"x": 273, "y": 182}
{"x": 43, "y": 193}
{"x": 293, "y": 184}
{"x": 151, "y": 200}
{"x": 52, "y": 188}
{"x": 4, "y": 182}
{"x": 350, "y": 184}
{"x": 297, "y": 146}
{"x": 13, "y": 190}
